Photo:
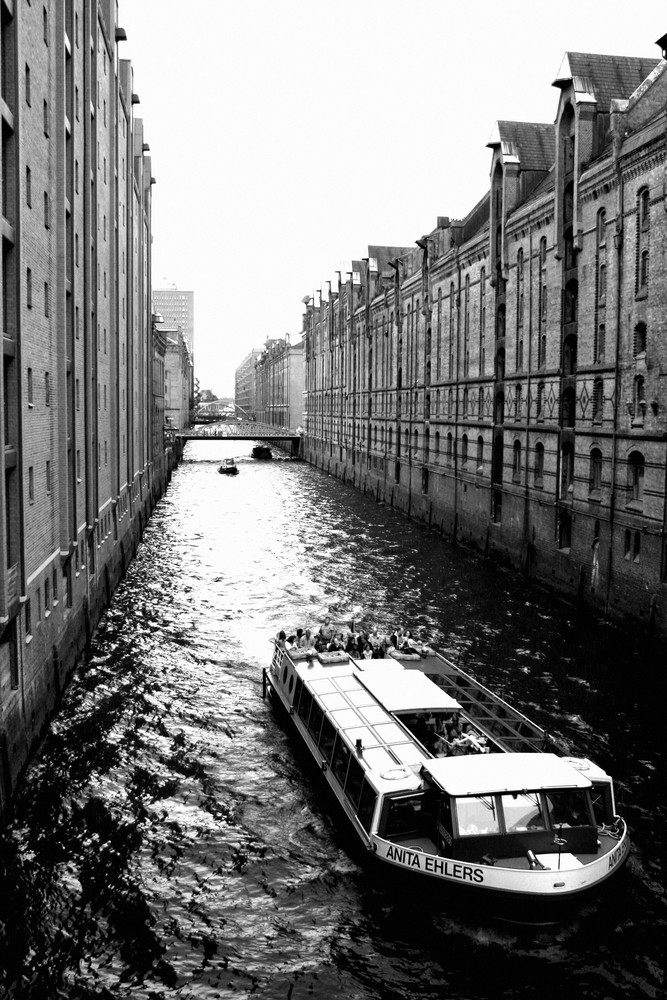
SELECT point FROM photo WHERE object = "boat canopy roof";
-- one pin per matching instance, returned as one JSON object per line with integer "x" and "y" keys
{"x": 483, "y": 774}
{"x": 404, "y": 691}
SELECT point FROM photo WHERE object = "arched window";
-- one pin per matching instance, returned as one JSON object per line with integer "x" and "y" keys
{"x": 539, "y": 402}
{"x": 566, "y": 471}
{"x": 516, "y": 462}
{"x": 599, "y": 345}
{"x": 480, "y": 403}
{"x": 636, "y": 477}
{"x": 500, "y": 365}
{"x": 643, "y": 270}
{"x": 539, "y": 464}
{"x": 644, "y": 208}
{"x": 465, "y": 402}
{"x": 569, "y": 408}
{"x": 464, "y": 451}
{"x": 499, "y": 409}
{"x": 597, "y": 400}
{"x": 450, "y": 449}
{"x": 480, "y": 455}
{"x": 390, "y": 436}
{"x": 602, "y": 227}
{"x": 639, "y": 340}
{"x": 437, "y": 445}
{"x": 572, "y": 301}
{"x": 595, "y": 471}
{"x": 638, "y": 399}
{"x": 427, "y": 446}
{"x": 518, "y": 401}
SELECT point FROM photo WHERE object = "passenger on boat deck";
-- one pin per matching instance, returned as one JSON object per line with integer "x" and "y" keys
{"x": 336, "y": 643}
{"x": 326, "y": 630}
{"x": 300, "y": 638}
{"x": 352, "y": 645}
{"x": 308, "y": 639}
{"x": 453, "y": 727}
{"x": 281, "y": 639}
{"x": 291, "y": 642}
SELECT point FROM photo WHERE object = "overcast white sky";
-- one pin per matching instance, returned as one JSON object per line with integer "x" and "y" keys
{"x": 288, "y": 135}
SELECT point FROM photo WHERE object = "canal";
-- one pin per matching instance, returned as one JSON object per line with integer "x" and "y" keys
{"x": 168, "y": 840}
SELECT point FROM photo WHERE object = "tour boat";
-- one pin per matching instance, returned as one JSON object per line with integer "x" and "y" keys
{"x": 443, "y": 779}
{"x": 228, "y": 468}
{"x": 262, "y": 451}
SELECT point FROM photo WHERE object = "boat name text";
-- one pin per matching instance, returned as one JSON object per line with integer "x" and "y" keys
{"x": 617, "y": 854}
{"x": 436, "y": 866}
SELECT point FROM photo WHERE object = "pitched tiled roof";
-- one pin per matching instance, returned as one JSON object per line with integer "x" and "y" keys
{"x": 533, "y": 142}
{"x": 610, "y": 76}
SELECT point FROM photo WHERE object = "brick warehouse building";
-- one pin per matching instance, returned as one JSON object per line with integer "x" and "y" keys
{"x": 83, "y": 370}
{"x": 504, "y": 379}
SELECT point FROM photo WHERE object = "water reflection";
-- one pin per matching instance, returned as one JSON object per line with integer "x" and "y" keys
{"x": 170, "y": 840}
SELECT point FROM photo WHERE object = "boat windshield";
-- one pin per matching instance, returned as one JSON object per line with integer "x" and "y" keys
{"x": 518, "y": 812}
{"x": 570, "y": 807}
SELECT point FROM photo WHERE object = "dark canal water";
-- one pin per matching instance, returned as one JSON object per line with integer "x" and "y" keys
{"x": 168, "y": 842}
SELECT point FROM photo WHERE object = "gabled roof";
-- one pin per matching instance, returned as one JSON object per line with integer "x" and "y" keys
{"x": 602, "y": 78}
{"x": 532, "y": 143}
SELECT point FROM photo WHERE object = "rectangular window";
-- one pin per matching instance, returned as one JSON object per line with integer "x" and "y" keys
{"x": 46, "y": 298}
{"x": 28, "y": 288}
{"x": 46, "y": 118}
{"x": 28, "y": 96}
{"x": 28, "y": 618}
{"x": 28, "y": 187}
{"x": 47, "y": 389}
{"x": 30, "y": 388}
{"x": 31, "y": 484}
{"x": 48, "y": 477}
{"x": 47, "y": 210}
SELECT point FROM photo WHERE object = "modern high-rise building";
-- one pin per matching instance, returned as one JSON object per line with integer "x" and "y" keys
{"x": 177, "y": 308}
{"x": 82, "y": 387}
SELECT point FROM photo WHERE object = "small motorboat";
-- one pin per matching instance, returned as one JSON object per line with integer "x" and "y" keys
{"x": 262, "y": 451}
{"x": 228, "y": 468}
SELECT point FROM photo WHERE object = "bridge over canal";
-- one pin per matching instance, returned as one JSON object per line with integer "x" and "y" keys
{"x": 286, "y": 438}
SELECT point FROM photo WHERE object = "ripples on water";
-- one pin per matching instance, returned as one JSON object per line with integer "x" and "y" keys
{"x": 168, "y": 843}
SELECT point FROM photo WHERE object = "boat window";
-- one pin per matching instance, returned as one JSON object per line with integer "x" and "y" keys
{"x": 297, "y": 693}
{"x": 340, "y": 760}
{"x": 315, "y": 721}
{"x": 305, "y": 704}
{"x": 355, "y": 778}
{"x": 569, "y": 808}
{"x": 285, "y": 673}
{"x": 523, "y": 811}
{"x": 366, "y": 806}
{"x": 291, "y": 684}
{"x": 327, "y": 738}
{"x": 477, "y": 815}
{"x": 405, "y": 817}
{"x": 601, "y": 796}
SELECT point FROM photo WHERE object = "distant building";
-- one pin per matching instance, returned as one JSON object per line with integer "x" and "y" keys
{"x": 244, "y": 385}
{"x": 178, "y": 378}
{"x": 279, "y": 384}
{"x": 178, "y": 308}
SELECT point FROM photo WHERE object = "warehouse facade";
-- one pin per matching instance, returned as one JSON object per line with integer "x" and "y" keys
{"x": 504, "y": 380}
{"x": 82, "y": 366}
